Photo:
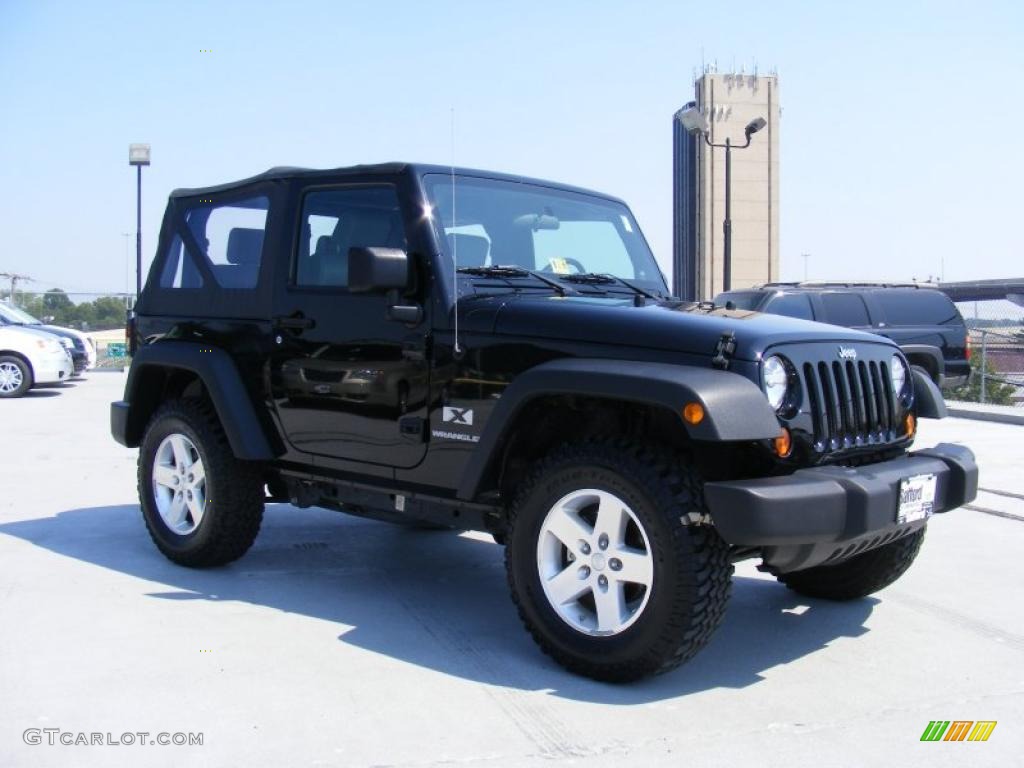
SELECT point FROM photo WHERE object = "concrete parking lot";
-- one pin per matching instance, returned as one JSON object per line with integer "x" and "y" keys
{"x": 340, "y": 641}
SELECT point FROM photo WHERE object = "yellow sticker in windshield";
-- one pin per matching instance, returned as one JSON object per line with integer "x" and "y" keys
{"x": 559, "y": 266}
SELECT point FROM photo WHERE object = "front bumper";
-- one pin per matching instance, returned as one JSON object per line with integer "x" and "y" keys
{"x": 827, "y": 514}
{"x": 52, "y": 369}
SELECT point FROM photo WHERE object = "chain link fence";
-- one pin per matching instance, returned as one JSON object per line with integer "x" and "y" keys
{"x": 996, "y": 333}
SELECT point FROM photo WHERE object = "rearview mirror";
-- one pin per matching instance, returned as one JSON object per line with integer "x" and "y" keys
{"x": 377, "y": 269}
{"x": 537, "y": 221}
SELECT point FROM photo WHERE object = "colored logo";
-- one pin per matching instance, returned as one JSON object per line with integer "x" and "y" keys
{"x": 958, "y": 730}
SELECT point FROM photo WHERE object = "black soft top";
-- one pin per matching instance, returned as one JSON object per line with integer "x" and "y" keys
{"x": 284, "y": 172}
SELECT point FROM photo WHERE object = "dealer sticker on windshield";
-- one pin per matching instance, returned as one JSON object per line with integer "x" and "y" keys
{"x": 917, "y": 498}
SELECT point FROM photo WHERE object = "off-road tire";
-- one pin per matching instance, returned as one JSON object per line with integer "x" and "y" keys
{"x": 692, "y": 571}
{"x": 26, "y": 376}
{"x": 859, "y": 576}
{"x": 234, "y": 508}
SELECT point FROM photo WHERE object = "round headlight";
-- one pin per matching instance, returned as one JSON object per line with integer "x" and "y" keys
{"x": 776, "y": 381}
{"x": 899, "y": 374}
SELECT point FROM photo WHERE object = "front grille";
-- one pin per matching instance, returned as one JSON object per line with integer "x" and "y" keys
{"x": 851, "y": 403}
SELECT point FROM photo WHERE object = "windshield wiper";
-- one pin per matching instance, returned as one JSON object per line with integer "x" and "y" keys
{"x": 603, "y": 278}
{"x": 504, "y": 270}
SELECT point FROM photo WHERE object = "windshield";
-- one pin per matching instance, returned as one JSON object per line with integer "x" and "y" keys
{"x": 16, "y": 316}
{"x": 551, "y": 231}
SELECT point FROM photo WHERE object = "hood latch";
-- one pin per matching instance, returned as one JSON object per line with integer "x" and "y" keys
{"x": 724, "y": 350}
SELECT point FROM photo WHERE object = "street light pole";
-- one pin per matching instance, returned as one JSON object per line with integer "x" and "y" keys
{"x": 138, "y": 155}
{"x": 138, "y": 231}
{"x": 694, "y": 122}
{"x": 727, "y": 224}
{"x": 127, "y": 266}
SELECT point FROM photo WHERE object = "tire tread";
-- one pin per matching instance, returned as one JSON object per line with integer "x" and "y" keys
{"x": 239, "y": 497}
{"x": 701, "y": 556}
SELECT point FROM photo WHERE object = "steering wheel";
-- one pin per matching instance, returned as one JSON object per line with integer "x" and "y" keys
{"x": 580, "y": 269}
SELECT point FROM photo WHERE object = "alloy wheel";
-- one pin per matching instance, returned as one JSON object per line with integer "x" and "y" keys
{"x": 179, "y": 484}
{"x": 595, "y": 562}
{"x": 10, "y": 377}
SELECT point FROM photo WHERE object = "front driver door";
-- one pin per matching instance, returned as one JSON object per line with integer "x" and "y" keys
{"x": 348, "y": 383}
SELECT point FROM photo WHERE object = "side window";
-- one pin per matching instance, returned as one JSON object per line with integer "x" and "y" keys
{"x": 917, "y": 307}
{"x": 845, "y": 309}
{"x": 335, "y": 220}
{"x": 180, "y": 269}
{"x": 231, "y": 238}
{"x": 792, "y": 305}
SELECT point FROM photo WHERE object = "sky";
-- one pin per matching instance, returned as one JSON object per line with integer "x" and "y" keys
{"x": 899, "y": 150}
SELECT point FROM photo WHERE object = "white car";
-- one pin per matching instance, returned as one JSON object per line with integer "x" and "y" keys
{"x": 83, "y": 350}
{"x": 29, "y": 357}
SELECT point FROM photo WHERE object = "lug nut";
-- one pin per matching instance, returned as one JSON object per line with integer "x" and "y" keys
{"x": 615, "y": 564}
{"x": 584, "y": 548}
{"x": 602, "y": 542}
{"x": 602, "y": 582}
{"x": 585, "y": 572}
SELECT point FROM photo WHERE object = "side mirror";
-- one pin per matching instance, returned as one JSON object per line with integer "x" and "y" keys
{"x": 377, "y": 269}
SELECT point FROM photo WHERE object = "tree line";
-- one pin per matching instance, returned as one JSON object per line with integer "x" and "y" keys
{"x": 56, "y": 308}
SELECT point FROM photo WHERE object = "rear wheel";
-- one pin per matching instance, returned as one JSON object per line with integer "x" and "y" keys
{"x": 15, "y": 376}
{"x": 201, "y": 505}
{"x": 860, "y": 575}
{"x": 608, "y": 573}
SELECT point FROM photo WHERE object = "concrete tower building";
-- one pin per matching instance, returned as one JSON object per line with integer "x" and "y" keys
{"x": 729, "y": 102}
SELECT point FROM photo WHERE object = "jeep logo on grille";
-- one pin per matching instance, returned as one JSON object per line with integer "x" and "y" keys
{"x": 847, "y": 353}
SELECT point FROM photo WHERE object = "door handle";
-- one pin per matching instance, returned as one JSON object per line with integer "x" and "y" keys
{"x": 295, "y": 322}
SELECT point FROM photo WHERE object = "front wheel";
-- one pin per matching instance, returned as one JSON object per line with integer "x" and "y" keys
{"x": 15, "y": 376}
{"x": 608, "y": 573}
{"x": 202, "y": 506}
{"x": 860, "y": 575}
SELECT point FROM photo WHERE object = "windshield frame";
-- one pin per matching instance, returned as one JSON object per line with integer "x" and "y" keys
{"x": 430, "y": 180}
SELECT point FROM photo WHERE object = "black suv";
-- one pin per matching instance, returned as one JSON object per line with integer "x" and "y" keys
{"x": 456, "y": 348}
{"x": 922, "y": 320}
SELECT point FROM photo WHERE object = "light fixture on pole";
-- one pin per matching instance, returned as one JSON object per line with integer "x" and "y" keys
{"x": 695, "y": 123}
{"x": 138, "y": 155}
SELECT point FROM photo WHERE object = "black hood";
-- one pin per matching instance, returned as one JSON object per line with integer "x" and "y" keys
{"x": 678, "y": 327}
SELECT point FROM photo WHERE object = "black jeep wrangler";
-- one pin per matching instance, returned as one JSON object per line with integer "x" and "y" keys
{"x": 453, "y": 348}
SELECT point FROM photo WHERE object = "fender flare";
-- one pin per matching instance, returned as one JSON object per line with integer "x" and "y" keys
{"x": 928, "y": 400}
{"x": 735, "y": 408}
{"x": 222, "y": 381}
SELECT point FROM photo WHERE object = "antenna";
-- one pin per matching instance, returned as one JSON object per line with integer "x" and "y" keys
{"x": 455, "y": 247}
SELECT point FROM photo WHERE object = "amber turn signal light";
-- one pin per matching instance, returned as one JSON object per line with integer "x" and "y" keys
{"x": 910, "y": 424}
{"x": 783, "y": 444}
{"x": 693, "y": 413}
